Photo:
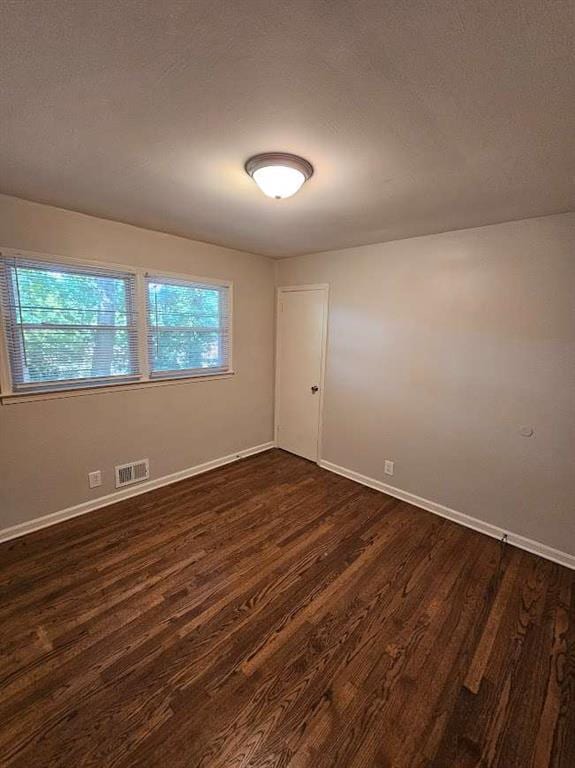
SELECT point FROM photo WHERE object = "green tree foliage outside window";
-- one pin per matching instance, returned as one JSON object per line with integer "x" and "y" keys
{"x": 185, "y": 326}
{"x": 72, "y": 325}
{"x": 80, "y": 325}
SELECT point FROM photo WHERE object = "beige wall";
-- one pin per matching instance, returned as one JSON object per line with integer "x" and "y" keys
{"x": 440, "y": 348}
{"x": 48, "y": 447}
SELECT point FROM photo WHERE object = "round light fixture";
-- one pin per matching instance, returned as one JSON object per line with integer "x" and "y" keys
{"x": 278, "y": 174}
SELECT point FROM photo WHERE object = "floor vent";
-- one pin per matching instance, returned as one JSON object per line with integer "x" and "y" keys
{"x": 134, "y": 472}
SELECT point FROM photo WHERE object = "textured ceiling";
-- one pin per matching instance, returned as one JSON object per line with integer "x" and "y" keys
{"x": 419, "y": 117}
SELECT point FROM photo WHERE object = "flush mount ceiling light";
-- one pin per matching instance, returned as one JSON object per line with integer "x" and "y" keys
{"x": 278, "y": 174}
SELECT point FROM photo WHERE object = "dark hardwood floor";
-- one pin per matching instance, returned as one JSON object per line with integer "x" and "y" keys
{"x": 270, "y": 613}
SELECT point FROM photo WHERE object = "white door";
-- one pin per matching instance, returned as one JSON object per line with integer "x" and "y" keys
{"x": 302, "y": 320}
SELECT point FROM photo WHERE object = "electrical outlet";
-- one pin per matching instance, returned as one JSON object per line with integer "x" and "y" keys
{"x": 95, "y": 478}
{"x": 388, "y": 468}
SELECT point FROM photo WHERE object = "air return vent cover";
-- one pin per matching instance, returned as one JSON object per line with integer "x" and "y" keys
{"x": 134, "y": 472}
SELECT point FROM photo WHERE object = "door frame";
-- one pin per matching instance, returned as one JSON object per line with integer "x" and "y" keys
{"x": 280, "y": 291}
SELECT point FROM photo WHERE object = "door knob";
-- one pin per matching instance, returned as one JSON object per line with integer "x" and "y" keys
{"x": 314, "y": 389}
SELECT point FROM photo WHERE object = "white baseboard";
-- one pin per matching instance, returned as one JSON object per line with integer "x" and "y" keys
{"x": 563, "y": 558}
{"x": 104, "y": 501}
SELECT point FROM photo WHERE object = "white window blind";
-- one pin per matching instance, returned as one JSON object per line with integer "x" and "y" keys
{"x": 188, "y": 327}
{"x": 68, "y": 326}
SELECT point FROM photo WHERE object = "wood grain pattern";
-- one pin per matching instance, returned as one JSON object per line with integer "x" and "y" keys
{"x": 271, "y": 614}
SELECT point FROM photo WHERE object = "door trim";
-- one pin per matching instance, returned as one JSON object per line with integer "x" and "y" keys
{"x": 280, "y": 290}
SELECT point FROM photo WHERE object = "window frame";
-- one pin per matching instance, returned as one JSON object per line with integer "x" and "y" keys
{"x": 144, "y": 378}
{"x": 179, "y": 373}
{"x": 15, "y": 328}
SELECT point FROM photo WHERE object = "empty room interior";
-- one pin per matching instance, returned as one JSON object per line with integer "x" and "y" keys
{"x": 287, "y": 384}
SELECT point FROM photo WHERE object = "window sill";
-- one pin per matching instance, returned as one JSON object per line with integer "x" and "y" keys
{"x": 30, "y": 397}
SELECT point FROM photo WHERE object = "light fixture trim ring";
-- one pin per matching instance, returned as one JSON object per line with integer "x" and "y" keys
{"x": 265, "y": 159}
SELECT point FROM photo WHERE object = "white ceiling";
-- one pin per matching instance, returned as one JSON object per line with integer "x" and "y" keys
{"x": 419, "y": 117}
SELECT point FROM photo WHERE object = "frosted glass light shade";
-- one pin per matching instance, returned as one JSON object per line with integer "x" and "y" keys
{"x": 279, "y": 175}
{"x": 278, "y": 181}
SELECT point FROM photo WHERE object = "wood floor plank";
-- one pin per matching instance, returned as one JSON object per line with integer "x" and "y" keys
{"x": 272, "y": 614}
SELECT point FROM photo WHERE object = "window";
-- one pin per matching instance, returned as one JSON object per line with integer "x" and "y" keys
{"x": 68, "y": 326}
{"x": 188, "y": 327}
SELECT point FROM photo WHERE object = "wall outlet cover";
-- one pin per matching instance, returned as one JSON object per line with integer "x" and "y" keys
{"x": 95, "y": 479}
